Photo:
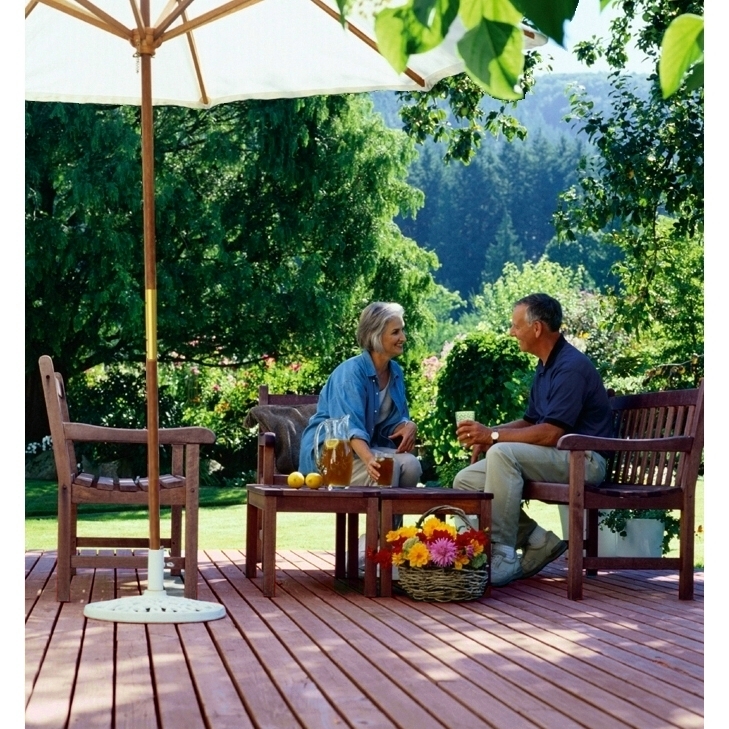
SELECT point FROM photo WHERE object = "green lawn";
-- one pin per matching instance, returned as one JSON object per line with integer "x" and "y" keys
{"x": 223, "y": 520}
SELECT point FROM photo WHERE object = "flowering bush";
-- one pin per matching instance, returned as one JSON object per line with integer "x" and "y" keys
{"x": 435, "y": 545}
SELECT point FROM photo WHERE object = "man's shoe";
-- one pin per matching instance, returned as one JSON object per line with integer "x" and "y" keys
{"x": 505, "y": 567}
{"x": 536, "y": 557}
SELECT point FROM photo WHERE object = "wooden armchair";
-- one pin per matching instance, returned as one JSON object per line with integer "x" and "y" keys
{"x": 281, "y": 419}
{"x": 178, "y": 490}
{"x": 654, "y": 464}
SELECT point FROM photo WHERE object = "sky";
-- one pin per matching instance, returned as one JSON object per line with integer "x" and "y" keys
{"x": 588, "y": 22}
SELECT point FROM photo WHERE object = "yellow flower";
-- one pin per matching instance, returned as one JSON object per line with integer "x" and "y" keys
{"x": 477, "y": 547}
{"x": 432, "y": 524}
{"x": 398, "y": 558}
{"x": 403, "y": 532}
{"x": 461, "y": 560}
{"x": 418, "y": 555}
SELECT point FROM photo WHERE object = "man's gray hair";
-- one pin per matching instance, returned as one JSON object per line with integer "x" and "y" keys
{"x": 373, "y": 322}
{"x": 542, "y": 307}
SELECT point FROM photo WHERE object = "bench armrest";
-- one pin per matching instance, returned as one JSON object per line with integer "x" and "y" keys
{"x": 575, "y": 442}
{"x": 82, "y": 432}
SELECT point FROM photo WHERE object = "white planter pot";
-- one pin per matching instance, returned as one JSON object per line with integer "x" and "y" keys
{"x": 644, "y": 537}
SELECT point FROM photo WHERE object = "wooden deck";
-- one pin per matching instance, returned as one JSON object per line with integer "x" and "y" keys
{"x": 321, "y": 655}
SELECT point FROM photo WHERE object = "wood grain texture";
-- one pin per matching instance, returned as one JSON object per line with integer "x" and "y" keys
{"x": 321, "y": 654}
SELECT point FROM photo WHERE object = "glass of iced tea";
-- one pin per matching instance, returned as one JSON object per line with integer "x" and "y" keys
{"x": 465, "y": 415}
{"x": 386, "y": 462}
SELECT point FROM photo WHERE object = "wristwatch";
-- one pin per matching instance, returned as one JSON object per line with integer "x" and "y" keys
{"x": 494, "y": 436}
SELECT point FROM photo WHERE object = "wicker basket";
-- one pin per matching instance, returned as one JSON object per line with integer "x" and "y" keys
{"x": 443, "y": 584}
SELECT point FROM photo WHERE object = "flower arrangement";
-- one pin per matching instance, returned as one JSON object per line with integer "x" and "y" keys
{"x": 437, "y": 562}
{"x": 434, "y": 545}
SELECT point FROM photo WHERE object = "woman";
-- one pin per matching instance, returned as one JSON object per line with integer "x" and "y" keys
{"x": 370, "y": 389}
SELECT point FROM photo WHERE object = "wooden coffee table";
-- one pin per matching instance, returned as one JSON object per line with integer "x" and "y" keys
{"x": 267, "y": 502}
{"x": 419, "y": 500}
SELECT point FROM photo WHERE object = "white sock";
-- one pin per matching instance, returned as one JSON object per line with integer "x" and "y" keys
{"x": 504, "y": 551}
{"x": 538, "y": 537}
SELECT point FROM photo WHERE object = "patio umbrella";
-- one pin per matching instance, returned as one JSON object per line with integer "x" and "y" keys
{"x": 205, "y": 52}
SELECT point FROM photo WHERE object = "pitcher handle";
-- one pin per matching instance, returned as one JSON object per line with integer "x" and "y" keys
{"x": 317, "y": 457}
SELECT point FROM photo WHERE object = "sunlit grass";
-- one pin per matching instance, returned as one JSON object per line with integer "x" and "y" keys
{"x": 222, "y": 522}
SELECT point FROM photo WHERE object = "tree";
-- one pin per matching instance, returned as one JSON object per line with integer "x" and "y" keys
{"x": 649, "y": 164}
{"x": 492, "y": 40}
{"x": 274, "y": 227}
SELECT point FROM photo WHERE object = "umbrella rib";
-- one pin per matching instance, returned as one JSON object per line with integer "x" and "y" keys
{"x": 196, "y": 63}
{"x": 93, "y": 15}
{"x": 172, "y": 11}
{"x": 361, "y": 35}
{"x": 226, "y": 9}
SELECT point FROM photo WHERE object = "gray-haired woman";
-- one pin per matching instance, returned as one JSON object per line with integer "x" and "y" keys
{"x": 370, "y": 389}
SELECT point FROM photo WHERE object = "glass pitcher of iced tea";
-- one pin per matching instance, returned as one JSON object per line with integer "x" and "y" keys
{"x": 333, "y": 454}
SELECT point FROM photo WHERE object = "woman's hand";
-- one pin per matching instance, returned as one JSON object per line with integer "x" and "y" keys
{"x": 405, "y": 432}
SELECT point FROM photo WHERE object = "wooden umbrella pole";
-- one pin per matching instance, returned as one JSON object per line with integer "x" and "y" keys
{"x": 145, "y": 50}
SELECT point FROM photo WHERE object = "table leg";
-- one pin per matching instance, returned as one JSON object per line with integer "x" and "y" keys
{"x": 269, "y": 547}
{"x": 484, "y": 522}
{"x": 371, "y": 529}
{"x": 352, "y": 547}
{"x": 340, "y": 546}
{"x": 385, "y": 526}
{"x": 252, "y": 513}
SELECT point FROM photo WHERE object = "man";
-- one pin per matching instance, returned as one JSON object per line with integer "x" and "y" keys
{"x": 567, "y": 396}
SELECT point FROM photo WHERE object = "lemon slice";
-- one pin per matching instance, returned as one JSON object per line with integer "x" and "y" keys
{"x": 331, "y": 443}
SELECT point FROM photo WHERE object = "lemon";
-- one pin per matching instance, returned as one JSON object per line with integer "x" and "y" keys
{"x": 313, "y": 480}
{"x": 295, "y": 480}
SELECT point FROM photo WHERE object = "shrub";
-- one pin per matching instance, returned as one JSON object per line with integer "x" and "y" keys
{"x": 484, "y": 372}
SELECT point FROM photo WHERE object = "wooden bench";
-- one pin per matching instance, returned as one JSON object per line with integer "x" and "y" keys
{"x": 653, "y": 463}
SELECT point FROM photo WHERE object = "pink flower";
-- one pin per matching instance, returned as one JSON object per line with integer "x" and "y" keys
{"x": 443, "y": 552}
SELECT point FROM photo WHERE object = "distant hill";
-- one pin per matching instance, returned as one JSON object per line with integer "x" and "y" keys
{"x": 543, "y": 108}
{"x": 499, "y": 208}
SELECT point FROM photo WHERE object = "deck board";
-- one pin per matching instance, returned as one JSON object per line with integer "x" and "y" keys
{"x": 321, "y": 655}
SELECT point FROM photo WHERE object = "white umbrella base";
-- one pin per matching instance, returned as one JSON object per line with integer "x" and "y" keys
{"x": 154, "y": 605}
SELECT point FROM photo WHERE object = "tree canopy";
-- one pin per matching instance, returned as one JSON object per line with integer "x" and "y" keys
{"x": 274, "y": 228}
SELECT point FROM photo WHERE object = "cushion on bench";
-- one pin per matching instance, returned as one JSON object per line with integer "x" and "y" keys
{"x": 287, "y": 423}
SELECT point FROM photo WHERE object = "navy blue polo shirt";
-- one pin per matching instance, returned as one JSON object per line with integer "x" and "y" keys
{"x": 568, "y": 392}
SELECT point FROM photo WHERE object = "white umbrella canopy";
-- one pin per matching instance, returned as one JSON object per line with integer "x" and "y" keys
{"x": 247, "y": 49}
{"x": 199, "y": 53}
{"x": 263, "y": 49}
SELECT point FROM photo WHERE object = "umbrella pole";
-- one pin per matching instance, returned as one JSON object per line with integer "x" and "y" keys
{"x": 154, "y": 606}
{"x": 150, "y": 298}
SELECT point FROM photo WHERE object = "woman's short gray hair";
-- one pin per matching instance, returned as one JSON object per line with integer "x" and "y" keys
{"x": 373, "y": 321}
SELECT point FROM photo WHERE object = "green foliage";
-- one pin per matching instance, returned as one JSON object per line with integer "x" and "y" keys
{"x": 274, "y": 229}
{"x": 424, "y": 116}
{"x": 492, "y": 42}
{"x": 116, "y": 397}
{"x": 476, "y": 216}
{"x": 484, "y": 372}
{"x": 493, "y": 306}
{"x": 616, "y": 520}
{"x": 682, "y": 54}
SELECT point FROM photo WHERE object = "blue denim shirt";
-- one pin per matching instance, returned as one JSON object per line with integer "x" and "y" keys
{"x": 352, "y": 389}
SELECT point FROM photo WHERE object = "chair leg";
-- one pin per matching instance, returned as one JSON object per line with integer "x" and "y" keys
{"x": 63, "y": 569}
{"x": 176, "y": 537}
{"x": 686, "y": 555}
{"x": 592, "y": 537}
{"x": 192, "y": 473}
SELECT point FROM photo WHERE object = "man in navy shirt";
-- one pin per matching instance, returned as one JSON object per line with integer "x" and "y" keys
{"x": 567, "y": 396}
